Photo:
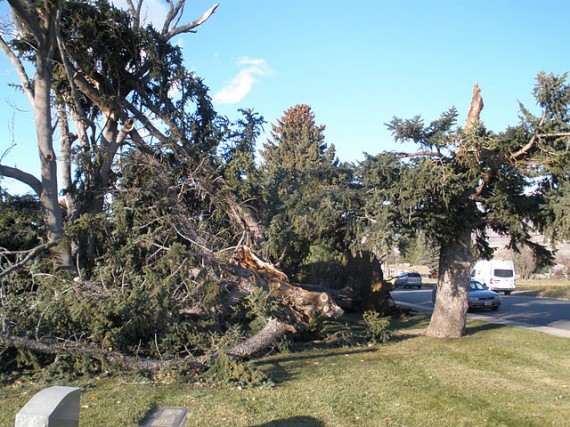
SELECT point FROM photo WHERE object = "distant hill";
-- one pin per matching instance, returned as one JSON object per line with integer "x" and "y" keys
{"x": 500, "y": 243}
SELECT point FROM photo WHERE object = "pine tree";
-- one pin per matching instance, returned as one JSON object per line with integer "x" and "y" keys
{"x": 464, "y": 181}
{"x": 305, "y": 187}
{"x": 297, "y": 142}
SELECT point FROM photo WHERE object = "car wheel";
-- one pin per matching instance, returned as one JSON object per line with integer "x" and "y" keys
{"x": 419, "y": 286}
{"x": 507, "y": 292}
{"x": 494, "y": 308}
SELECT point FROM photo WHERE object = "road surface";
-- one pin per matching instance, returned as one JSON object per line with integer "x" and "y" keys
{"x": 542, "y": 314}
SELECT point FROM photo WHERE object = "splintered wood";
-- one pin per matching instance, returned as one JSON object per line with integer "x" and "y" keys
{"x": 303, "y": 304}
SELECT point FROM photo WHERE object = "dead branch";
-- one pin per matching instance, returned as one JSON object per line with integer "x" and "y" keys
{"x": 23, "y": 177}
{"x": 27, "y": 85}
{"x": 435, "y": 154}
{"x": 32, "y": 253}
{"x": 110, "y": 357}
{"x": 188, "y": 28}
{"x": 271, "y": 332}
{"x": 474, "y": 114}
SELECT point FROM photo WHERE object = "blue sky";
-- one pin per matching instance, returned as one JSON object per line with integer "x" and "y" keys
{"x": 357, "y": 64}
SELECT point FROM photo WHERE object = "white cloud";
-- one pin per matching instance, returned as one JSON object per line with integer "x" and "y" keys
{"x": 242, "y": 83}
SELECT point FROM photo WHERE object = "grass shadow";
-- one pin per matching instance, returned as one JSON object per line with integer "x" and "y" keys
{"x": 482, "y": 326}
{"x": 275, "y": 368}
{"x": 300, "y": 421}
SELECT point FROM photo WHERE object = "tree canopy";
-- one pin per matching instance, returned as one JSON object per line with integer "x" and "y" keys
{"x": 466, "y": 181}
{"x": 140, "y": 238}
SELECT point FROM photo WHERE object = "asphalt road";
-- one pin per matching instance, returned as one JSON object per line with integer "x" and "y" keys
{"x": 547, "y": 315}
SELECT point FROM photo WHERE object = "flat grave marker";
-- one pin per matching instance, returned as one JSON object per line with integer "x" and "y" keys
{"x": 166, "y": 417}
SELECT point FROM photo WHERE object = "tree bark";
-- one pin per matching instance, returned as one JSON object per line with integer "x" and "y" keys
{"x": 273, "y": 331}
{"x": 450, "y": 312}
{"x": 303, "y": 305}
{"x": 110, "y": 357}
{"x": 41, "y": 25}
{"x": 49, "y": 202}
{"x": 455, "y": 261}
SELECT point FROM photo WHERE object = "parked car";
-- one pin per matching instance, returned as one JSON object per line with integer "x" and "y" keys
{"x": 478, "y": 296}
{"x": 408, "y": 280}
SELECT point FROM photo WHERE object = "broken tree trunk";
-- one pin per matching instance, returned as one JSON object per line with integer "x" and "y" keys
{"x": 348, "y": 298}
{"x": 303, "y": 304}
{"x": 245, "y": 258}
{"x": 450, "y": 312}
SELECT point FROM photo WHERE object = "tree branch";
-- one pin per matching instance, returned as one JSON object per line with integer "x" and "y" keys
{"x": 188, "y": 27}
{"x": 20, "y": 9}
{"x": 420, "y": 154}
{"x": 146, "y": 122}
{"x": 23, "y": 177}
{"x": 271, "y": 332}
{"x": 515, "y": 156}
{"x": 111, "y": 357}
{"x": 15, "y": 61}
{"x": 31, "y": 254}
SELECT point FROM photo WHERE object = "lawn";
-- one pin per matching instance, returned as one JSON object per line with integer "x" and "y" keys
{"x": 552, "y": 288}
{"x": 495, "y": 376}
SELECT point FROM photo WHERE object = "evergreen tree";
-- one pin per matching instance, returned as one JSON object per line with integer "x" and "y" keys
{"x": 463, "y": 181}
{"x": 297, "y": 142}
{"x": 307, "y": 189}
{"x": 238, "y": 156}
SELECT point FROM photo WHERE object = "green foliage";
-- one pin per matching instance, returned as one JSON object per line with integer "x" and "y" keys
{"x": 258, "y": 306}
{"x": 20, "y": 222}
{"x": 297, "y": 142}
{"x": 420, "y": 250}
{"x": 474, "y": 177}
{"x": 239, "y": 169}
{"x": 21, "y": 363}
{"x": 225, "y": 371}
{"x": 377, "y": 326}
{"x": 325, "y": 265}
{"x": 308, "y": 191}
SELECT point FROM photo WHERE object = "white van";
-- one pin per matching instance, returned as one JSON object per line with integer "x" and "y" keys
{"x": 497, "y": 275}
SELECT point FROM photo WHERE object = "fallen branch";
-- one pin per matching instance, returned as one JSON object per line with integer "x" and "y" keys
{"x": 110, "y": 357}
{"x": 271, "y": 332}
{"x": 32, "y": 253}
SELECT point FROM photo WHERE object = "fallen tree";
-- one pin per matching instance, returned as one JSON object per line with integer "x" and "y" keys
{"x": 300, "y": 307}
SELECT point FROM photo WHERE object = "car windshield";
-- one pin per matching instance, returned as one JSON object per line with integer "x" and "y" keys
{"x": 476, "y": 286}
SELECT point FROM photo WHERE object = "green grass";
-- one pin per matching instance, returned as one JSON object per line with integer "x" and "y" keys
{"x": 495, "y": 376}
{"x": 552, "y": 288}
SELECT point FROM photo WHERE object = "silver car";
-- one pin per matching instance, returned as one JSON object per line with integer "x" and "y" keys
{"x": 478, "y": 297}
{"x": 408, "y": 280}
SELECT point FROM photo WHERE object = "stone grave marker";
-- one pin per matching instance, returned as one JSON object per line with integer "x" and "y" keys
{"x": 166, "y": 417}
{"x": 56, "y": 406}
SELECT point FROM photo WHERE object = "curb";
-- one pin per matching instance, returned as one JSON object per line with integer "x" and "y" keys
{"x": 544, "y": 329}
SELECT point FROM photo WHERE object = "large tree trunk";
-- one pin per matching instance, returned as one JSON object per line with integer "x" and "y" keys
{"x": 49, "y": 202}
{"x": 455, "y": 261}
{"x": 449, "y": 314}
